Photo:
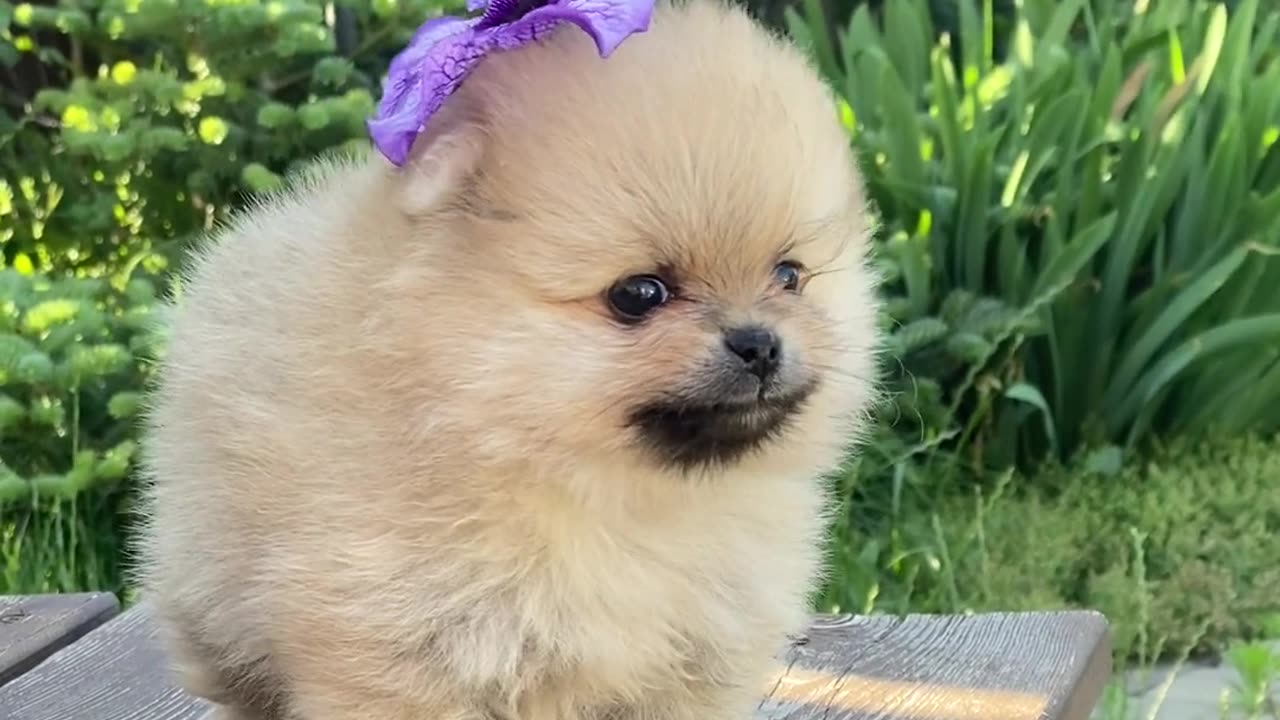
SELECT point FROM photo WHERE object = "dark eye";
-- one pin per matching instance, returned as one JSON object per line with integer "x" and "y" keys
{"x": 788, "y": 275}
{"x": 637, "y": 296}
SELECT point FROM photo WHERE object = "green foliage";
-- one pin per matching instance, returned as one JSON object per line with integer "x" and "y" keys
{"x": 1080, "y": 236}
{"x": 152, "y": 119}
{"x": 1258, "y": 665}
{"x": 51, "y": 544}
{"x": 73, "y": 357}
{"x": 128, "y": 128}
{"x": 1178, "y": 551}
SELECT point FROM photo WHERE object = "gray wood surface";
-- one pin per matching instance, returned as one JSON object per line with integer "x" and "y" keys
{"x": 116, "y": 672}
{"x": 1020, "y": 666}
{"x": 34, "y": 627}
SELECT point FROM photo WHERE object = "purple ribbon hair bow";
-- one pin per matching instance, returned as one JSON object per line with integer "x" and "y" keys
{"x": 444, "y": 50}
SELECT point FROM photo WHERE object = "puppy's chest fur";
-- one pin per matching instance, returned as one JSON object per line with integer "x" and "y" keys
{"x": 610, "y": 606}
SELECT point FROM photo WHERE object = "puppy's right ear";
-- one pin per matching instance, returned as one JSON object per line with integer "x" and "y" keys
{"x": 440, "y": 166}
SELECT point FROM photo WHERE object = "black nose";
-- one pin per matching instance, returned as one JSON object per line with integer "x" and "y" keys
{"x": 759, "y": 349}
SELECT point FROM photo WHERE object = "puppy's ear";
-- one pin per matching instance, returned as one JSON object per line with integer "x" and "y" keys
{"x": 441, "y": 166}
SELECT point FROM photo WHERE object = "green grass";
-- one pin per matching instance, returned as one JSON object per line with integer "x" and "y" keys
{"x": 1181, "y": 552}
{"x": 60, "y": 545}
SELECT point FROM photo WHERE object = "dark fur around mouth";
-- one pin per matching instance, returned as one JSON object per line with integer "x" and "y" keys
{"x": 691, "y": 435}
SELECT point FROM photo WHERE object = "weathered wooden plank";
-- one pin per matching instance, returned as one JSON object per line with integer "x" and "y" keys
{"x": 33, "y": 627}
{"x": 116, "y": 672}
{"x": 1032, "y": 666}
{"x": 1018, "y": 666}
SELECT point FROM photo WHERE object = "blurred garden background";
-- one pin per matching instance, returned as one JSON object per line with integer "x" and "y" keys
{"x": 1080, "y": 230}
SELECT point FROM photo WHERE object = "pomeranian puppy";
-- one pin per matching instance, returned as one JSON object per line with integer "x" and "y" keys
{"x": 532, "y": 427}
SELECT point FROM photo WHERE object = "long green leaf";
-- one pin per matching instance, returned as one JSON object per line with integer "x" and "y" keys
{"x": 1236, "y": 44}
{"x": 1226, "y": 189}
{"x": 1151, "y": 199}
{"x": 973, "y": 68}
{"x": 1071, "y": 361}
{"x": 1012, "y": 263}
{"x": 1259, "y": 408}
{"x": 819, "y": 36}
{"x": 1024, "y": 392}
{"x": 912, "y": 256}
{"x": 1051, "y": 125}
{"x": 1263, "y": 212}
{"x": 1135, "y": 198}
{"x": 1216, "y": 398}
{"x": 1261, "y": 112}
{"x": 945, "y": 98}
{"x": 1263, "y": 39}
{"x": 906, "y": 42}
{"x": 902, "y": 129}
{"x": 1214, "y": 36}
{"x": 1063, "y": 18}
{"x": 1168, "y": 322}
{"x": 988, "y": 36}
{"x": 972, "y": 231}
{"x": 863, "y": 62}
{"x": 1064, "y": 267}
{"x": 1244, "y": 332}
{"x": 1186, "y": 241}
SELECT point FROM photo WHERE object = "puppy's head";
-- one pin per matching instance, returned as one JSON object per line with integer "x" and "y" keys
{"x": 653, "y": 258}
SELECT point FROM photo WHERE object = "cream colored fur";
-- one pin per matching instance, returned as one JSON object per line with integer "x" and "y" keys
{"x": 392, "y": 477}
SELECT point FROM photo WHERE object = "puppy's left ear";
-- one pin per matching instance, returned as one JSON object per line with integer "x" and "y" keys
{"x": 441, "y": 165}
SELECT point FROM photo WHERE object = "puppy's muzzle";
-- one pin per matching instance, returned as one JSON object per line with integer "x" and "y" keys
{"x": 738, "y": 401}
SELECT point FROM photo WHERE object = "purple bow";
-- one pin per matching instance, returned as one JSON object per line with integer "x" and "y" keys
{"x": 445, "y": 49}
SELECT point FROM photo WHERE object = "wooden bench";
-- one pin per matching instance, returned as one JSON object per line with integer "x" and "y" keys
{"x": 77, "y": 657}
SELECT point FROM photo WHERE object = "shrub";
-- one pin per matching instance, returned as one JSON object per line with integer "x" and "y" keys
{"x": 127, "y": 130}
{"x": 157, "y": 117}
{"x": 1080, "y": 238}
{"x": 1178, "y": 551}
{"x": 69, "y": 381}
{"x": 72, "y": 364}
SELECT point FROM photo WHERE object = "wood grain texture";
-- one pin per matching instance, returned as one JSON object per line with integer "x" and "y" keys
{"x": 33, "y": 627}
{"x": 1017, "y": 666}
{"x": 1022, "y": 666}
{"x": 116, "y": 672}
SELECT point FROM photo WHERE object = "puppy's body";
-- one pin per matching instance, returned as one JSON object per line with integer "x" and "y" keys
{"x": 408, "y": 463}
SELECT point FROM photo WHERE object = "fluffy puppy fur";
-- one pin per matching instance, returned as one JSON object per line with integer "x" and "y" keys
{"x": 407, "y": 463}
